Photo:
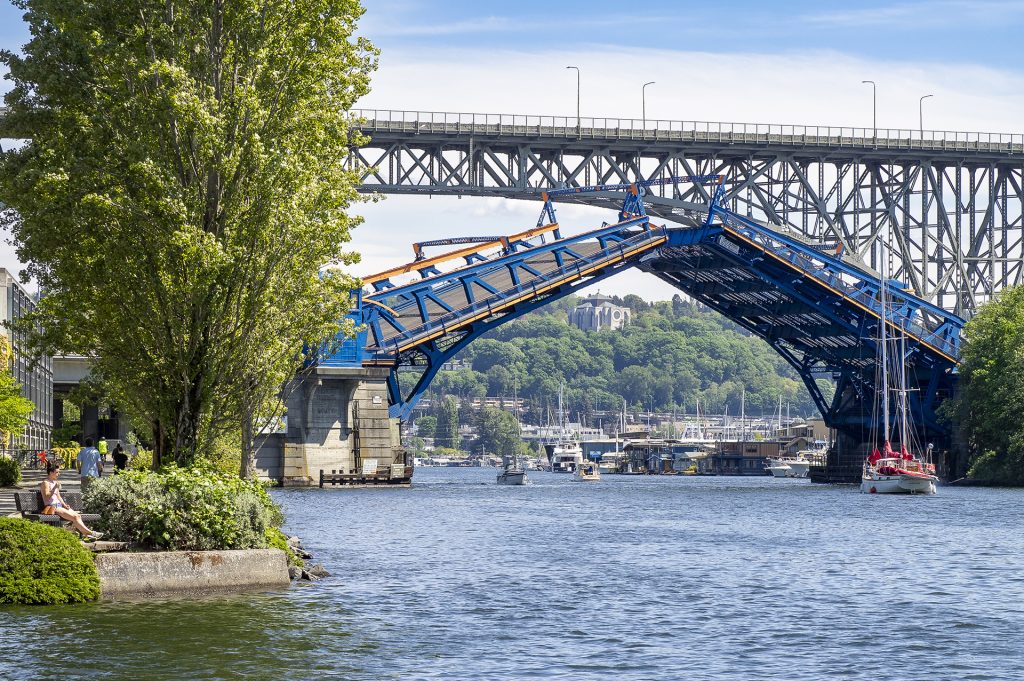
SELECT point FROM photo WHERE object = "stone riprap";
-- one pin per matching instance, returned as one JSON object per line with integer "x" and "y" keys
{"x": 169, "y": 573}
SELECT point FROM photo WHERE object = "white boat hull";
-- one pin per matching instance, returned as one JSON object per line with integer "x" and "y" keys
{"x": 780, "y": 471}
{"x": 898, "y": 484}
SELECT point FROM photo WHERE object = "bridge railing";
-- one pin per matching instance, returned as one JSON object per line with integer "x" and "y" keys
{"x": 655, "y": 130}
{"x": 451, "y": 321}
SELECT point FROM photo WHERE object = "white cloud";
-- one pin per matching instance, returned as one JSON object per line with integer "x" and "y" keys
{"x": 945, "y": 13}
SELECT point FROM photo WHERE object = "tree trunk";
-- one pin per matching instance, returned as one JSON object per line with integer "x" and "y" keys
{"x": 248, "y": 465}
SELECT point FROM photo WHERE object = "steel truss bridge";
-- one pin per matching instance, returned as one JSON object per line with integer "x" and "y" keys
{"x": 821, "y": 312}
{"x": 946, "y": 207}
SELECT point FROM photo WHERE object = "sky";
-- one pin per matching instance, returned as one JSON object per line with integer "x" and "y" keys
{"x": 795, "y": 62}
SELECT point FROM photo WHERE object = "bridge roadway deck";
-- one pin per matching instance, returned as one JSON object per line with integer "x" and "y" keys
{"x": 728, "y": 139}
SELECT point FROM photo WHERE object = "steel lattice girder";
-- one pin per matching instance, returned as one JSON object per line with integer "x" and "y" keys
{"x": 950, "y": 219}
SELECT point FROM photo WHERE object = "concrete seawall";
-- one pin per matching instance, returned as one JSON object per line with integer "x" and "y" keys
{"x": 185, "y": 573}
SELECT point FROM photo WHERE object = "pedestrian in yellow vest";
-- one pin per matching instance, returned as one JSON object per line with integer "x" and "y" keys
{"x": 102, "y": 447}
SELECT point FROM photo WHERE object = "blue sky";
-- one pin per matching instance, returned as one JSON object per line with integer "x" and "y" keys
{"x": 779, "y": 62}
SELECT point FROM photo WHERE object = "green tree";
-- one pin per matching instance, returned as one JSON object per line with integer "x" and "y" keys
{"x": 499, "y": 431}
{"x": 14, "y": 409}
{"x": 183, "y": 197}
{"x": 426, "y": 426}
{"x": 990, "y": 406}
{"x": 447, "y": 434}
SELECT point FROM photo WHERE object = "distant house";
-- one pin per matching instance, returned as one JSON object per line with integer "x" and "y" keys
{"x": 598, "y": 312}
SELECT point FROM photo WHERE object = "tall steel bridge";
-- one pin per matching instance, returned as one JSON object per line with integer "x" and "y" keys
{"x": 945, "y": 206}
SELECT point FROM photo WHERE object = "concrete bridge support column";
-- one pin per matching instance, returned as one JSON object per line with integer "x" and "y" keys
{"x": 338, "y": 420}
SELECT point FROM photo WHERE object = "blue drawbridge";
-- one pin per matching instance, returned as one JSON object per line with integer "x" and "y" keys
{"x": 818, "y": 311}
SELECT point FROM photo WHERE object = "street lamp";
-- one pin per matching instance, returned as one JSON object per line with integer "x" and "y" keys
{"x": 643, "y": 101}
{"x": 577, "y": 69}
{"x": 874, "y": 108}
{"x": 920, "y": 114}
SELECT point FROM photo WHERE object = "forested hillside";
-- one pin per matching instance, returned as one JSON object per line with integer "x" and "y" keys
{"x": 672, "y": 353}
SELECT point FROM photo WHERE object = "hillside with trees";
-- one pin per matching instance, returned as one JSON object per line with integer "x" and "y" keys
{"x": 672, "y": 354}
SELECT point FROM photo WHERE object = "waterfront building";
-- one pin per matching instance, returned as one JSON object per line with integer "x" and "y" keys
{"x": 598, "y": 312}
{"x": 36, "y": 378}
{"x": 749, "y": 457}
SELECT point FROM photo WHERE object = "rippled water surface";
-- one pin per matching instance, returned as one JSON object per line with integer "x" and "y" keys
{"x": 629, "y": 578}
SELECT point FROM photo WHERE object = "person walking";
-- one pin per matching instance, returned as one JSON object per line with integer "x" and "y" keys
{"x": 120, "y": 458}
{"x": 102, "y": 447}
{"x": 90, "y": 463}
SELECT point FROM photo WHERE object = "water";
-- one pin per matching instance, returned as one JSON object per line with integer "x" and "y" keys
{"x": 629, "y": 578}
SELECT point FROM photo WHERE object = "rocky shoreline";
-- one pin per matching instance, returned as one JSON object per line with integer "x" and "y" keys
{"x": 310, "y": 574}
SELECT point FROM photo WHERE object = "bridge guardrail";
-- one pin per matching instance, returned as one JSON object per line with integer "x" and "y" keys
{"x": 569, "y": 127}
{"x": 441, "y": 322}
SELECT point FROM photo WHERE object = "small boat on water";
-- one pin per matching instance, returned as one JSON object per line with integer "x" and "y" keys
{"x": 896, "y": 475}
{"x": 512, "y": 473}
{"x": 587, "y": 471}
{"x": 894, "y": 470}
{"x": 788, "y": 467}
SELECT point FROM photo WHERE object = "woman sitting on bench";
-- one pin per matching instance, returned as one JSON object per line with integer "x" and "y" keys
{"x": 54, "y": 504}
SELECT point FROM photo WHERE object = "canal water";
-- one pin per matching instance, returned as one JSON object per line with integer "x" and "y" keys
{"x": 628, "y": 578}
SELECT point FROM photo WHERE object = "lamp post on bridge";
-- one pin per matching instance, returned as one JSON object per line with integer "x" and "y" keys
{"x": 578, "y": 128}
{"x": 920, "y": 114}
{"x": 643, "y": 101}
{"x": 874, "y": 108}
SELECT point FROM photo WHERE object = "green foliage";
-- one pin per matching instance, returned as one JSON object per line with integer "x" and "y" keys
{"x": 991, "y": 398}
{"x": 196, "y": 508}
{"x": 183, "y": 199}
{"x": 426, "y": 426}
{"x": 448, "y": 424}
{"x": 10, "y": 472}
{"x": 276, "y": 539}
{"x": 43, "y": 565}
{"x": 142, "y": 460}
{"x": 673, "y": 354}
{"x": 499, "y": 432}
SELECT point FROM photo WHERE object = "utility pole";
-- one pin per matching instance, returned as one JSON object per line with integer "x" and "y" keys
{"x": 920, "y": 114}
{"x": 874, "y": 108}
{"x": 643, "y": 101}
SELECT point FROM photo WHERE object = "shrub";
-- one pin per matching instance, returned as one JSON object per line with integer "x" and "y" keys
{"x": 44, "y": 565}
{"x": 276, "y": 539}
{"x": 10, "y": 472}
{"x": 68, "y": 454}
{"x": 195, "y": 509}
{"x": 142, "y": 460}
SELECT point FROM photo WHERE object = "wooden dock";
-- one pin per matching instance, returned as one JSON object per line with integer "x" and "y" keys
{"x": 388, "y": 477}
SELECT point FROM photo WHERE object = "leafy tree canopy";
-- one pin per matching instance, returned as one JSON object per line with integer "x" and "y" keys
{"x": 183, "y": 197}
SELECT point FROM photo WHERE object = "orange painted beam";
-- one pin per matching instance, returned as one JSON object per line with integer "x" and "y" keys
{"x": 460, "y": 253}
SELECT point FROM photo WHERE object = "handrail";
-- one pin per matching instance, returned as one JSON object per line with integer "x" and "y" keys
{"x": 694, "y": 131}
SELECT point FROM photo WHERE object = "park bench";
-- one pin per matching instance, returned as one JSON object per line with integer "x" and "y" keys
{"x": 30, "y": 503}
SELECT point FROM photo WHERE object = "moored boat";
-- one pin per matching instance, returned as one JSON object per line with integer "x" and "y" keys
{"x": 587, "y": 471}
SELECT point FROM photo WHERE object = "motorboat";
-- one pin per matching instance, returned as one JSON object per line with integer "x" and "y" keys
{"x": 566, "y": 457}
{"x": 512, "y": 473}
{"x": 788, "y": 467}
{"x": 587, "y": 471}
{"x": 778, "y": 469}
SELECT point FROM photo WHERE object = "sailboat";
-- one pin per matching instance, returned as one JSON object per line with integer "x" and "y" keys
{"x": 888, "y": 471}
{"x": 513, "y": 473}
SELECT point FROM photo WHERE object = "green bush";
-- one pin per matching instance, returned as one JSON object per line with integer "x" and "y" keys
{"x": 276, "y": 539}
{"x": 44, "y": 565}
{"x": 193, "y": 509}
{"x": 10, "y": 472}
{"x": 142, "y": 460}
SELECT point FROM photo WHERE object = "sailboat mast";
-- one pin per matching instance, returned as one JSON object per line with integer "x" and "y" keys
{"x": 883, "y": 299}
{"x": 903, "y": 389}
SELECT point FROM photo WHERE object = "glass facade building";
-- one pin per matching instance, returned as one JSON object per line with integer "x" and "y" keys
{"x": 36, "y": 378}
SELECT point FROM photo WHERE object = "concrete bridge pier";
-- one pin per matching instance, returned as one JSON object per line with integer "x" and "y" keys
{"x": 337, "y": 421}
